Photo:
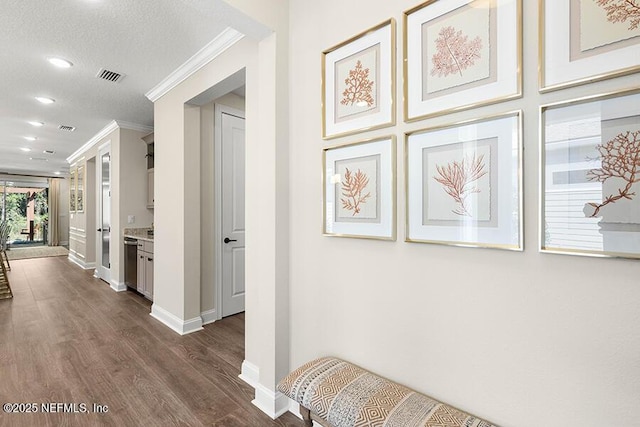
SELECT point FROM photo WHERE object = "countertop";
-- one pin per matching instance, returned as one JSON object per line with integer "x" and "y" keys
{"x": 139, "y": 233}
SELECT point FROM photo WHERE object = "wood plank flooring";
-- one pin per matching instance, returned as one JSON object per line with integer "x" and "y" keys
{"x": 66, "y": 337}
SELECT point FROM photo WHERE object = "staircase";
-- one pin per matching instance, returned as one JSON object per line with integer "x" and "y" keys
{"x": 5, "y": 289}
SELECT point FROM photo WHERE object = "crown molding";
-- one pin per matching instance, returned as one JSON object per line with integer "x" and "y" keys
{"x": 227, "y": 38}
{"x": 134, "y": 126}
{"x": 113, "y": 125}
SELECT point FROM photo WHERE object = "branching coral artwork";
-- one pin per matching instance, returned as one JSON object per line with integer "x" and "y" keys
{"x": 622, "y": 11}
{"x": 458, "y": 178}
{"x": 353, "y": 190}
{"x": 454, "y": 52}
{"x": 359, "y": 89}
{"x": 620, "y": 159}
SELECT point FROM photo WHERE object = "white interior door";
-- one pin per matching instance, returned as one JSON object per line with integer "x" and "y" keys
{"x": 103, "y": 191}
{"x": 233, "y": 228}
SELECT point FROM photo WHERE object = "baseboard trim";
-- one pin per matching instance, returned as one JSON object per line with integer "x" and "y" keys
{"x": 80, "y": 263}
{"x": 271, "y": 403}
{"x": 209, "y": 316}
{"x": 183, "y": 327}
{"x": 250, "y": 373}
{"x": 118, "y": 287}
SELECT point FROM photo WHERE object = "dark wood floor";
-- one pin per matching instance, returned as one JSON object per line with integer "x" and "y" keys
{"x": 66, "y": 337}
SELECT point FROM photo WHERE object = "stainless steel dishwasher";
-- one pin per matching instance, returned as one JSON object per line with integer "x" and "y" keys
{"x": 131, "y": 262}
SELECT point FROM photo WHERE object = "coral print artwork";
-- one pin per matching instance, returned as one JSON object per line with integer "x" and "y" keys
{"x": 357, "y": 88}
{"x": 457, "y": 49}
{"x": 619, "y": 171}
{"x": 606, "y": 24}
{"x": 357, "y": 189}
{"x": 457, "y": 183}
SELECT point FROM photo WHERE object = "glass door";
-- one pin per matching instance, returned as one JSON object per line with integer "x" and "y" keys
{"x": 24, "y": 205}
{"x": 103, "y": 269}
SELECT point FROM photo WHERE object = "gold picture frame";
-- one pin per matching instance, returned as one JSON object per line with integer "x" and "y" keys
{"x": 588, "y": 162}
{"x": 463, "y": 183}
{"x": 358, "y": 82}
{"x": 571, "y": 57}
{"x": 460, "y": 55}
{"x": 359, "y": 189}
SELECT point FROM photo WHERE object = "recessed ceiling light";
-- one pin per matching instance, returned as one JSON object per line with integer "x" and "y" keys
{"x": 45, "y": 100}
{"x": 30, "y": 138}
{"x": 59, "y": 62}
{"x": 26, "y": 149}
{"x": 36, "y": 124}
{"x": 38, "y": 159}
{"x": 57, "y": 173}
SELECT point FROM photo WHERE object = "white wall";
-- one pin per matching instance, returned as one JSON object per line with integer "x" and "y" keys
{"x": 523, "y": 339}
{"x": 177, "y": 286}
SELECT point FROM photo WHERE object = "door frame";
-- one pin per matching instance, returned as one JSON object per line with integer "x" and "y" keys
{"x": 102, "y": 149}
{"x": 219, "y": 110}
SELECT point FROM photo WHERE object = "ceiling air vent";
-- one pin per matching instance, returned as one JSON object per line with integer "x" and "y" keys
{"x": 108, "y": 75}
{"x": 48, "y": 152}
{"x": 66, "y": 128}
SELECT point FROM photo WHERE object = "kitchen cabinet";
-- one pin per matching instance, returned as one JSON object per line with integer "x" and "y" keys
{"x": 145, "y": 268}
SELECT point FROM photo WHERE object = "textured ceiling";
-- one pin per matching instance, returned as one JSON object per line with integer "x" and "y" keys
{"x": 146, "y": 40}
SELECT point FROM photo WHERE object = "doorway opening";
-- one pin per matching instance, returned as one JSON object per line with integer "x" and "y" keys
{"x": 221, "y": 119}
{"x": 25, "y": 208}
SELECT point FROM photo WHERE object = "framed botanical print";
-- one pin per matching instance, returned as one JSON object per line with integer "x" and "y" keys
{"x": 80, "y": 190}
{"x": 464, "y": 183}
{"x": 358, "y": 82}
{"x": 460, "y": 54}
{"x": 587, "y": 40}
{"x": 72, "y": 189}
{"x": 590, "y": 157}
{"x": 359, "y": 189}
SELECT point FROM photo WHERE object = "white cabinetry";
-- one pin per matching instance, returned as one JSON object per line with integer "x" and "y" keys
{"x": 145, "y": 268}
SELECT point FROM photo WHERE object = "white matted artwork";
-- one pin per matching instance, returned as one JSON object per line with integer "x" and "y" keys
{"x": 358, "y": 82}
{"x": 464, "y": 183}
{"x": 591, "y": 176}
{"x": 587, "y": 40}
{"x": 469, "y": 50}
{"x": 359, "y": 189}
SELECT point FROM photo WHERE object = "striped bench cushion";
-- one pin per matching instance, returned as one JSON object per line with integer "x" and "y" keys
{"x": 346, "y": 395}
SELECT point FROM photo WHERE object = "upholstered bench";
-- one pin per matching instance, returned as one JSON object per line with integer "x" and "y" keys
{"x": 336, "y": 393}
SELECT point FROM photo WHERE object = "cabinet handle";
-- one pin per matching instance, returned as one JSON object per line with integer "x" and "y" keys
{"x": 150, "y": 259}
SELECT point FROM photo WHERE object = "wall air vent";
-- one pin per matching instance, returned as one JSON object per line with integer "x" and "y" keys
{"x": 66, "y": 128}
{"x": 109, "y": 75}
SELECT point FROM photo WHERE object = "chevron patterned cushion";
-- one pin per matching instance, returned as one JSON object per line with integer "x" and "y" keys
{"x": 346, "y": 395}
